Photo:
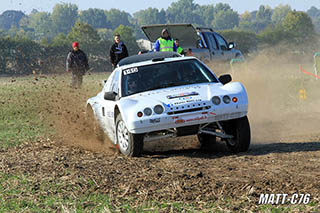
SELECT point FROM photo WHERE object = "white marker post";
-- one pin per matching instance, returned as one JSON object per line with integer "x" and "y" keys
{"x": 316, "y": 58}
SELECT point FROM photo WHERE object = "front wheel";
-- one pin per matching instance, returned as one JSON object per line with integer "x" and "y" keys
{"x": 240, "y": 129}
{"x": 207, "y": 142}
{"x": 129, "y": 144}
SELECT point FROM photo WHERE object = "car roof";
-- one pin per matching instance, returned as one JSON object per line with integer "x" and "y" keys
{"x": 147, "y": 57}
{"x": 150, "y": 62}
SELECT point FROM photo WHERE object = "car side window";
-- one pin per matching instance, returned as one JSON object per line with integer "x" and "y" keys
{"x": 201, "y": 41}
{"x": 222, "y": 43}
{"x": 107, "y": 85}
{"x": 211, "y": 41}
{"x": 115, "y": 82}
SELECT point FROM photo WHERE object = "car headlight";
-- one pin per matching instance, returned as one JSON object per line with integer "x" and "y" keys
{"x": 147, "y": 111}
{"x": 158, "y": 109}
{"x": 226, "y": 99}
{"x": 216, "y": 100}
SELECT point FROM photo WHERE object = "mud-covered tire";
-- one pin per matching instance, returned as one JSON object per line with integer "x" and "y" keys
{"x": 94, "y": 125}
{"x": 240, "y": 129}
{"x": 129, "y": 144}
{"x": 207, "y": 142}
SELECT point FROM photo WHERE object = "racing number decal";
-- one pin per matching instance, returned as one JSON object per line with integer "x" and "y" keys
{"x": 130, "y": 71}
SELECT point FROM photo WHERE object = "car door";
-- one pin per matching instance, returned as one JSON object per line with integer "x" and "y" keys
{"x": 215, "y": 52}
{"x": 112, "y": 85}
{"x": 202, "y": 51}
{"x": 225, "y": 52}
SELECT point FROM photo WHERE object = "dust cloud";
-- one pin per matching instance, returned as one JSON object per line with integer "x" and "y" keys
{"x": 283, "y": 101}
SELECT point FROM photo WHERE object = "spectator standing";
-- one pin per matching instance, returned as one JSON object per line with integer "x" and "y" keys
{"x": 77, "y": 64}
{"x": 118, "y": 51}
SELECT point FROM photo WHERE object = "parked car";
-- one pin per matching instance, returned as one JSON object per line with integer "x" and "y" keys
{"x": 161, "y": 94}
{"x": 201, "y": 42}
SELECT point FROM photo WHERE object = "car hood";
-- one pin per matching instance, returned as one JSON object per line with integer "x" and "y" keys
{"x": 171, "y": 97}
{"x": 186, "y": 33}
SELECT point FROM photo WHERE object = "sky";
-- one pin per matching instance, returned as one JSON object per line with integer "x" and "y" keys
{"x": 132, "y": 6}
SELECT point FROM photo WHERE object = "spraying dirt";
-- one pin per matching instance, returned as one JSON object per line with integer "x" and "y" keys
{"x": 64, "y": 109}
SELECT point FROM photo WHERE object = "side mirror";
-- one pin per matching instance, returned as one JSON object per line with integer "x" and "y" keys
{"x": 103, "y": 83}
{"x": 232, "y": 45}
{"x": 199, "y": 45}
{"x": 110, "y": 96}
{"x": 224, "y": 48}
{"x": 224, "y": 79}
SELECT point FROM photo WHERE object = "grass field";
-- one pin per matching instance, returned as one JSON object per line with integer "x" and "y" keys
{"x": 19, "y": 119}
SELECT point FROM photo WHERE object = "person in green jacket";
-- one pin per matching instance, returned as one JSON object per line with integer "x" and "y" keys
{"x": 179, "y": 49}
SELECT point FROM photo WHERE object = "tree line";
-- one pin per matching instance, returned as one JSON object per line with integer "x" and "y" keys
{"x": 41, "y": 40}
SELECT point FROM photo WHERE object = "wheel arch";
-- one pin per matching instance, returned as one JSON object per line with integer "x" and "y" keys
{"x": 88, "y": 107}
{"x": 116, "y": 113}
{"x": 122, "y": 109}
{"x": 93, "y": 106}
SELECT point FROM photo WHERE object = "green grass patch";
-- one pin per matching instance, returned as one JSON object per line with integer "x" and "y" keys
{"x": 21, "y": 193}
{"x": 24, "y": 193}
{"x": 22, "y": 104}
{"x": 19, "y": 114}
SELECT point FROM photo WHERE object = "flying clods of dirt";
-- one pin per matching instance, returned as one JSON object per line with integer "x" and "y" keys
{"x": 66, "y": 110}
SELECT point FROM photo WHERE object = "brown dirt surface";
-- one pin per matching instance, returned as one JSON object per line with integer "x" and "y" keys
{"x": 284, "y": 156}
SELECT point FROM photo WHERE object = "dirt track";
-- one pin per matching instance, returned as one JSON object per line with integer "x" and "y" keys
{"x": 283, "y": 158}
{"x": 186, "y": 175}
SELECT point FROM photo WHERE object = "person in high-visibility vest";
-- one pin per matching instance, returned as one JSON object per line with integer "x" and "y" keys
{"x": 179, "y": 49}
{"x": 165, "y": 43}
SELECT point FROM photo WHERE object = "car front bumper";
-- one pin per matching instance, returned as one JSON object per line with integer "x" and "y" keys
{"x": 163, "y": 122}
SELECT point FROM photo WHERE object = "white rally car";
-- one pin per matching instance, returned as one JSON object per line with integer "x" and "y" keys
{"x": 159, "y": 95}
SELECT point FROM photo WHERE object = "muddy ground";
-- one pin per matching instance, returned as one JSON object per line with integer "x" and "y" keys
{"x": 284, "y": 155}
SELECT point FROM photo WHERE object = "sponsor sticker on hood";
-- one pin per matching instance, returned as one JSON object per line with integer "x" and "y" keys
{"x": 186, "y": 94}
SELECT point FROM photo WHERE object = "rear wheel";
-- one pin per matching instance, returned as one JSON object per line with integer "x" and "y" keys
{"x": 240, "y": 130}
{"x": 129, "y": 144}
{"x": 93, "y": 123}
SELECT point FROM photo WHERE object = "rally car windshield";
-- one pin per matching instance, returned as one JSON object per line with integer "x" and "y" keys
{"x": 164, "y": 75}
